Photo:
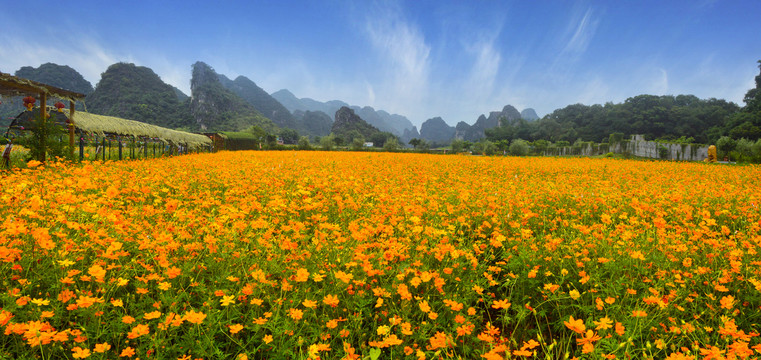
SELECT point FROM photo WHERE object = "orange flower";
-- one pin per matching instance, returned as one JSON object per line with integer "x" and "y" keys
{"x": 330, "y": 300}
{"x": 620, "y": 329}
{"x": 194, "y": 317}
{"x": 589, "y": 337}
{"x": 97, "y": 271}
{"x": 404, "y": 292}
{"x": 79, "y": 353}
{"x": 500, "y": 304}
{"x": 173, "y": 272}
{"x": 424, "y": 307}
{"x": 138, "y": 331}
{"x": 302, "y": 275}
{"x": 127, "y": 352}
{"x": 295, "y": 314}
{"x": 727, "y": 302}
{"x": 152, "y": 315}
{"x": 576, "y": 325}
{"x": 639, "y": 313}
{"x": 439, "y": 341}
{"x": 101, "y": 348}
{"x": 234, "y": 329}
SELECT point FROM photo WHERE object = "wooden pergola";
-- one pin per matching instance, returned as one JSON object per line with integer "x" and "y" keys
{"x": 15, "y": 86}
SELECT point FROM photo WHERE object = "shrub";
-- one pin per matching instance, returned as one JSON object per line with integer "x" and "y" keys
{"x": 519, "y": 147}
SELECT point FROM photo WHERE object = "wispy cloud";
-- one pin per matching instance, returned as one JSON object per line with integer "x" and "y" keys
{"x": 402, "y": 46}
{"x": 582, "y": 35}
{"x": 486, "y": 65}
{"x": 576, "y": 38}
{"x": 84, "y": 54}
{"x": 661, "y": 83}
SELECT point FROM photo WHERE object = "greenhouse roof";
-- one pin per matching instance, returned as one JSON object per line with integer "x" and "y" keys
{"x": 101, "y": 124}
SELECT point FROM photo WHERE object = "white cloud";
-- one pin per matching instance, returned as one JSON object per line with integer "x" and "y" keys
{"x": 661, "y": 83}
{"x": 583, "y": 33}
{"x": 402, "y": 46}
{"x": 483, "y": 74}
{"x": 575, "y": 40}
{"x": 81, "y": 53}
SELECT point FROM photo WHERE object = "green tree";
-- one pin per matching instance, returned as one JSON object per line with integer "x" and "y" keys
{"x": 519, "y": 147}
{"x": 304, "y": 143}
{"x": 327, "y": 142}
{"x": 485, "y": 147}
{"x": 289, "y": 136}
{"x": 258, "y": 134}
{"x": 744, "y": 148}
{"x": 725, "y": 145}
{"x": 540, "y": 146}
{"x": 46, "y": 140}
{"x": 457, "y": 146}
{"x": 391, "y": 144}
{"x": 358, "y": 143}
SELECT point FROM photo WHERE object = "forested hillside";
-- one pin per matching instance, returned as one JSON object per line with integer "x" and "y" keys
{"x": 655, "y": 117}
{"x": 215, "y": 108}
{"x": 136, "y": 92}
{"x": 61, "y": 76}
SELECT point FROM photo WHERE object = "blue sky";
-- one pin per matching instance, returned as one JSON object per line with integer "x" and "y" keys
{"x": 421, "y": 59}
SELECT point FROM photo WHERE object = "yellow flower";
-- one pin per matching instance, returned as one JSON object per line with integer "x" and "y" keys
{"x": 603, "y": 324}
{"x": 40, "y": 302}
{"x": 227, "y": 300}
{"x": 65, "y": 263}
{"x": 383, "y": 330}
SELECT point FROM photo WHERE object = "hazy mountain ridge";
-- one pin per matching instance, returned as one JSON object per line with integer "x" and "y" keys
{"x": 349, "y": 125}
{"x": 437, "y": 131}
{"x": 138, "y": 93}
{"x": 260, "y": 100}
{"x": 384, "y": 121}
{"x": 316, "y": 123}
{"x": 215, "y": 108}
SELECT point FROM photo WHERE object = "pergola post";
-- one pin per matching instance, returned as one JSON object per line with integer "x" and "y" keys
{"x": 71, "y": 129}
{"x": 43, "y": 120}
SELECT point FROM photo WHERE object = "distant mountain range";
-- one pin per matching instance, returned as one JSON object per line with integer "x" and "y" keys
{"x": 392, "y": 123}
{"x": 437, "y": 131}
{"x": 217, "y": 103}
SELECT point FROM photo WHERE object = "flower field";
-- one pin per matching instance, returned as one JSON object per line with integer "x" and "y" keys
{"x": 296, "y": 255}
